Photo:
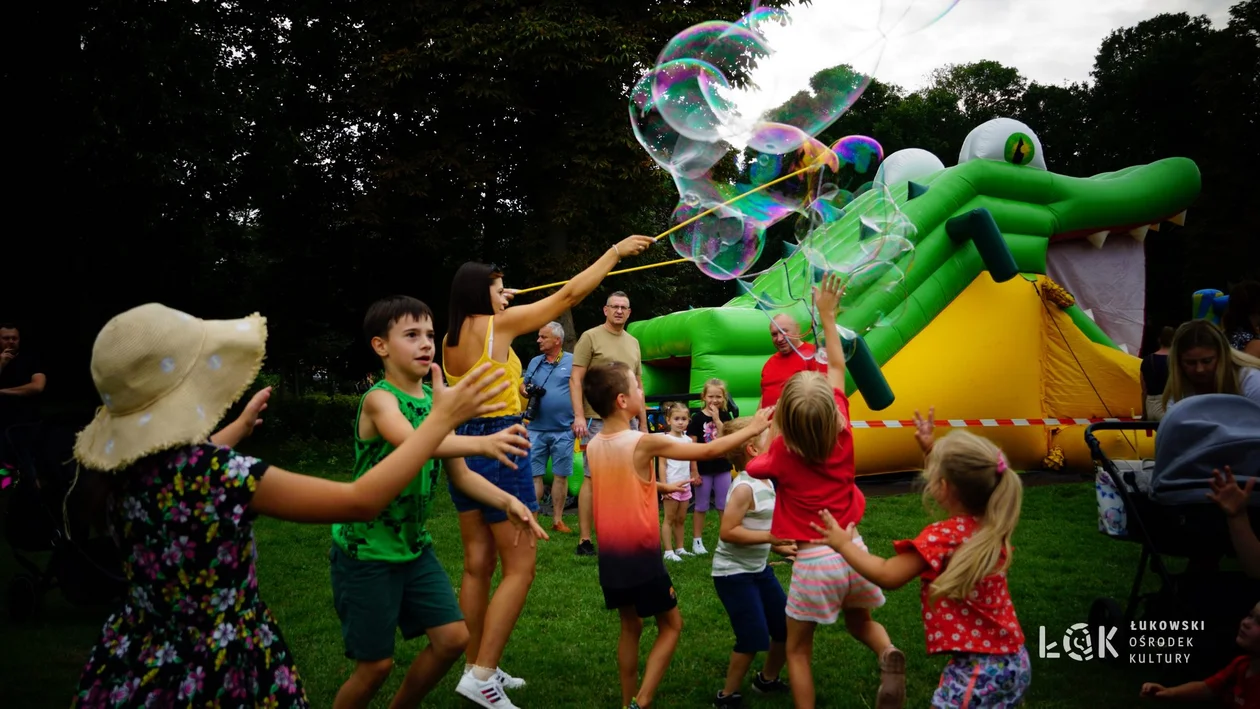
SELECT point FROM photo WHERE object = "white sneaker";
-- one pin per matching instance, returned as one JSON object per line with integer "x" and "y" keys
{"x": 507, "y": 680}
{"x": 487, "y": 694}
{"x": 683, "y": 552}
{"x": 697, "y": 546}
{"x": 671, "y": 556}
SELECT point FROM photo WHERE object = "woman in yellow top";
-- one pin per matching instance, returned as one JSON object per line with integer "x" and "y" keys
{"x": 481, "y": 329}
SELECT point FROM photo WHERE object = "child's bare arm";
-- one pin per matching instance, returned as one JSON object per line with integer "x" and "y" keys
{"x": 733, "y": 530}
{"x": 662, "y": 446}
{"x": 1188, "y": 692}
{"x": 886, "y": 573}
{"x": 1232, "y": 500}
{"x": 381, "y": 409}
{"x": 827, "y": 302}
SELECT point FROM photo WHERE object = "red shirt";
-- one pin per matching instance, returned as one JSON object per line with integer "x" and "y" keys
{"x": 983, "y": 623}
{"x": 1234, "y": 687}
{"x": 804, "y": 489}
{"x": 780, "y": 368}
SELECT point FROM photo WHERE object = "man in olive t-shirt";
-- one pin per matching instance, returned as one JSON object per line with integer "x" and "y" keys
{"x": 599, "y": 345}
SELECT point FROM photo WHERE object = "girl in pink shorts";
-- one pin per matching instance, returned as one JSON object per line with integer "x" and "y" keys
{"x": 676, "y": 471}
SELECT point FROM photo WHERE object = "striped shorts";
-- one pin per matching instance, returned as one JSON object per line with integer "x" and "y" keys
{"x": 824, "y": 585}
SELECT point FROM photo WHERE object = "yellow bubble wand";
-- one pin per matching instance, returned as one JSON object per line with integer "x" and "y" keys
{"x": 680, "y": 225}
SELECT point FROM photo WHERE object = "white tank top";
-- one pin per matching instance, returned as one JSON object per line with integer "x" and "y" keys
{"x": 678, "y": 471}
{"x": 730, "y": 559}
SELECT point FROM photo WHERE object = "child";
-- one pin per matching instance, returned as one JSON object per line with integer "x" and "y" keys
{"x": 715, "y": 475}
{"x": 676, "y": 472}
{"x": 745, "y": 584}
{"x": 1238, "y": 685}
{"x": 962, "y": 561}
{"x": 182, "y": 504}
{"x": 385, "y": 574}
{"x": 810, "y": 460}
{"x": 631, "y": 571}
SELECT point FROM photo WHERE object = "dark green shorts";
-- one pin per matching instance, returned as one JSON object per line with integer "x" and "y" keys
{"x": 375, "y": 597}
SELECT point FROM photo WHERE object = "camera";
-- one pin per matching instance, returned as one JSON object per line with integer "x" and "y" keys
{"x": 535, "y": 394}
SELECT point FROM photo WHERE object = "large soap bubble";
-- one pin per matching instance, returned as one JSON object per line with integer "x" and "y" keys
{"x": 733, "y": 111}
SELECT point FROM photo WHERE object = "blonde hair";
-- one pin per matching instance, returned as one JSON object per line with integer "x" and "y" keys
{"x": 1229, "y": 361}
{"x": 720, "y": 386}
{"x": 977, "y": 473}
{"x": 807, "y": 417}
{"x": 739, "y": 457}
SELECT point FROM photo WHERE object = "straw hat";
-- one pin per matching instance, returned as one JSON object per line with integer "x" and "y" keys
{"x": 166, "y": 379}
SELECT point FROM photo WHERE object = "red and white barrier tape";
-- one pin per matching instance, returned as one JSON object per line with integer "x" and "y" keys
{"x": 987, "y": 423}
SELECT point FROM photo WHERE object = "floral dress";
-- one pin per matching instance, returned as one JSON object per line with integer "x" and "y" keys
{"x": 193, "y": 631}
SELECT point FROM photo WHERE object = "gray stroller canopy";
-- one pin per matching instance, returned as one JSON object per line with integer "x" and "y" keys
{"x": 1199, "y": 434}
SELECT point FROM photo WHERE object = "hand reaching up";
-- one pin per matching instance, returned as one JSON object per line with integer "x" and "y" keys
{"x": 924, "y": 428}
{"x": 1226, "y": 493}
{"x": 827, "y": 298}
{"x": 252, "y": 415}
{"x": 467, "y": 399}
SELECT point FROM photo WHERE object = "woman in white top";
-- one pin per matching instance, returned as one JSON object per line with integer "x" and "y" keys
{"x": 676, "y": 472}
{"x": 1201, "y": 361}
{"x": 745, "y": 583}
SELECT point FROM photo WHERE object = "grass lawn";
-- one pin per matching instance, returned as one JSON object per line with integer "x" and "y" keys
{"x": 565, "y": 643}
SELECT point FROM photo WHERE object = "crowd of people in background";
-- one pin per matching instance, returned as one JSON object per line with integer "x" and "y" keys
{"x": 782, "y": 481}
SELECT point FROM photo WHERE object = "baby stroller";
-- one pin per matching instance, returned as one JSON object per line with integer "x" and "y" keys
{"x": 44, "y": 514}
{"x": 1164, "y": 507}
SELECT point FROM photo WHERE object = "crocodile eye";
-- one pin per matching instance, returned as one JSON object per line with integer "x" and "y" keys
{"x": 1006, "y": 140}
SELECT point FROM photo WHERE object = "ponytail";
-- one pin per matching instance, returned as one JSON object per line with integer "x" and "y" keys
{"x": 984, "y": 484}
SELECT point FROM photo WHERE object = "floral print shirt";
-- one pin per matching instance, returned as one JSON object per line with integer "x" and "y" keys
{"x": 193, "y": 631}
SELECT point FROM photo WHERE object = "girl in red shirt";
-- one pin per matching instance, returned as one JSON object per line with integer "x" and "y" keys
{"x": 810, "y": 460}
{"x": 962, "y": 561}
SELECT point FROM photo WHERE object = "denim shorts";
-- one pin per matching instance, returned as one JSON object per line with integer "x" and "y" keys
{"x": 554, "y": 445}
{"x": 517, "y": 483}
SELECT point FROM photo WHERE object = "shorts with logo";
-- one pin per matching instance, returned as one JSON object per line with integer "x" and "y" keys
{"x": 649, "y": 598}
{"x": 594, "y": 426}
{"x": 978, "y": 681}
{"x": 824, "y": 585}
{"x": 556, "y": 446}
{"x": 373, "y": 598}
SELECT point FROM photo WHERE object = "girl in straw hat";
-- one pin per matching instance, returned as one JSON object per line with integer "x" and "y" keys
{"x": 193, "y": 629}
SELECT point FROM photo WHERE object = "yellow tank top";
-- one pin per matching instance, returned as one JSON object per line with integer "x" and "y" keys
{"x": 512, "y": 373}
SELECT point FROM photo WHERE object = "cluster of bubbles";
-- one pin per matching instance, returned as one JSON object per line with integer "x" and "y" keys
{"x": 734, "y": 108}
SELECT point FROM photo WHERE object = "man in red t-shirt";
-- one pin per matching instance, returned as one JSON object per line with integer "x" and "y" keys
{"x": 791, "y": 356}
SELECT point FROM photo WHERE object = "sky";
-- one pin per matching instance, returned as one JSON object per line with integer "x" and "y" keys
{"x": 1049, "y": 41}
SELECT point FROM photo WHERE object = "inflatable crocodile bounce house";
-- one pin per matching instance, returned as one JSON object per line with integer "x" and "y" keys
{"x": 993, "y": 321}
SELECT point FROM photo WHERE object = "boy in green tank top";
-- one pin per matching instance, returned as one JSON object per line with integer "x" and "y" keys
{"x": 384, "y": 572}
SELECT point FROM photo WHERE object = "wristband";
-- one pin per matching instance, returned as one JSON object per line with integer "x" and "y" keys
{"x": 618, "y": 252}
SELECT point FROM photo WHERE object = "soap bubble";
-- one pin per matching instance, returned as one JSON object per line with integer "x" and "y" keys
{"x": 733, "y": 111}
{"x": 722, "y": 243}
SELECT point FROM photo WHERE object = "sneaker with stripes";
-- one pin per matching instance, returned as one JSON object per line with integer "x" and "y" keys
{"x": 486, "y": 693}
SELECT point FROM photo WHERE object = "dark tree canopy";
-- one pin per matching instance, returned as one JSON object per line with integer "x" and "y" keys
{"x": 303, "y": 158}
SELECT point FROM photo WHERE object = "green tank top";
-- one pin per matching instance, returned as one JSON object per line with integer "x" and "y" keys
{"x": 398, "y": 534}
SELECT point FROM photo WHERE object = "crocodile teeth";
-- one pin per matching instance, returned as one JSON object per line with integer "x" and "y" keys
{"x": 1139, "y": 234}
{"x": 1178, "y": 219}
{"x": 1155, "y": 226}
{"x": 1098, "y": 238}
